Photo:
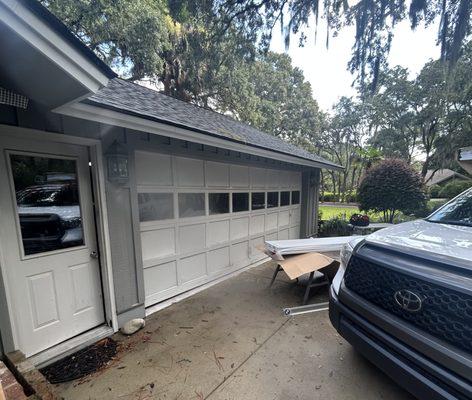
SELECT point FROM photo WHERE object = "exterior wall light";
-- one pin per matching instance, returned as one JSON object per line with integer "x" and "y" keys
{"x": 117, "y": 163}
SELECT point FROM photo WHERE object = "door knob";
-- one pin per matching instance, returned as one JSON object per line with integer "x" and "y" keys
{"x": 94, "y": 254}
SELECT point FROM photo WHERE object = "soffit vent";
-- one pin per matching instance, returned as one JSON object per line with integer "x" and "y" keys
{"x": 13, "y": 99}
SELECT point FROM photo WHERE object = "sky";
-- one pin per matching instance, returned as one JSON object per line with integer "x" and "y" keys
{"x": 326, "y": 69}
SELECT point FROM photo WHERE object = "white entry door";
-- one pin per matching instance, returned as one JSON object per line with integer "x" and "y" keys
{"x": 48, "y": 242}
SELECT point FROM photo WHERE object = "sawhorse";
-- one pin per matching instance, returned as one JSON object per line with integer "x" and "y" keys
{"x": 310, "y": 284}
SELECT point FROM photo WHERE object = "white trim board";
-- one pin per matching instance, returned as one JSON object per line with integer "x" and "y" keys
{"x": 115, "y": 118}
{"x": 39, "y": 35}
{"x": 166, "y": 303}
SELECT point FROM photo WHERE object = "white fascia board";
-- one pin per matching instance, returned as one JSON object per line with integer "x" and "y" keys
{"x": 115, "y": 118}
{"x": 35, "y": 32}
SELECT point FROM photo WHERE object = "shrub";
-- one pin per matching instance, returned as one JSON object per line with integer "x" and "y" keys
{"x": 434, "y": 191}
{"x": 452, "y": 189}
{"x": 335, "y": 227}
{"x": 391, "y": 186}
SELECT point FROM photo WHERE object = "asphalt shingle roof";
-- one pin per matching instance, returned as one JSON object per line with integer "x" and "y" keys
{"x": 147, "y": 103}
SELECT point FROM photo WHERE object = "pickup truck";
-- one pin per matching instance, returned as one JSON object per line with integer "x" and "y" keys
{"x": 403, "y": 298}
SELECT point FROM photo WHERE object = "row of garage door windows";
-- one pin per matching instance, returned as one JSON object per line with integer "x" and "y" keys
{"x": 160, "y": 206}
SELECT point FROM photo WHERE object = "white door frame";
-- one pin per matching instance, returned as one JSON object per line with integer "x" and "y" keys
{"x": 10, "y": 337}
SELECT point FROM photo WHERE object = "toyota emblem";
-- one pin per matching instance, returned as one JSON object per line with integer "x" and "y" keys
{"x": 408, "y": 300}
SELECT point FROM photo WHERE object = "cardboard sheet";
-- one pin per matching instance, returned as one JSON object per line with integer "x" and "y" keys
{"x": 298, "y": 265}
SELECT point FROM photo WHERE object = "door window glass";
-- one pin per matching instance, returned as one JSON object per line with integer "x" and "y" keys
{"x": 240, "y": 202}
{"x": 218, "y": 203}
{"x": 284, "y": 199}
{"x": 155, "y": 206}
{"x": 191, "y": 204}
{"x": 272, "y": 199}
{"x": 296, "y": 197}
{"x": 47, "y": 200}
{"x": 257, "y": 200}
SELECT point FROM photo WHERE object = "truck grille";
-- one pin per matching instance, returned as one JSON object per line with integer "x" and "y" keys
{"x": 445, "y": 313}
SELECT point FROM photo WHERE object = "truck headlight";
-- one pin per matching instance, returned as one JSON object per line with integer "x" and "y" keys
{"x": 345, "y": 256}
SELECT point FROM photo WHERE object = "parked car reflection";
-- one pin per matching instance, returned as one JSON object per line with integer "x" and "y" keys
{"x": 50, "y": 216}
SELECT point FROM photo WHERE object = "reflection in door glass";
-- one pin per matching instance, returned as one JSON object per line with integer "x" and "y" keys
{"x": 47, "y": 197}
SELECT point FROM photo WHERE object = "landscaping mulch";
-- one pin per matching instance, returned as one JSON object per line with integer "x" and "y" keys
{"x": 82, "y": 363}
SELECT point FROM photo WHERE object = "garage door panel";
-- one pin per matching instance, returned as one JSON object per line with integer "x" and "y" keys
{"x": 218, "y": 232}
{"x": 254, "y": 245}
{"x": 284, "y": 179}
{"x": 160, "y": 277}
{"x": 283, "y": 234}
{"x": 272, "y": 178}
{"x": 189, "y": 172}
{"x": 294, "y": 232}
{"x": 239, "y": 253}
{"x": 271, "y": 221}
{"x": 239, "y": 176}
{"x": 218, "y": 260}
{"x": 239, "y": 228}
{"x": 295, "y": 216}
{"x": 295, "y": 180}
{"x": 217, "y": 174}
{"x": 191, "y": 238}
{"x": 256, "y": 224}
{"x": 258, "y": 177}
{"x": 158, "y": 243}
{"x": 284, "y": 218}
{"x": 271, "y": 236}
{"x": 191, "y": 268}
{"x": 153, "y": 169}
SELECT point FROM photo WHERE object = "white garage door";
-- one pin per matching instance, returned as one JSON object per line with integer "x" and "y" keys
{"x": 201, "y": 220}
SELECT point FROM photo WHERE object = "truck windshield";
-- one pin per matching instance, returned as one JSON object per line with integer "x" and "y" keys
{"x": 456, "y": 212}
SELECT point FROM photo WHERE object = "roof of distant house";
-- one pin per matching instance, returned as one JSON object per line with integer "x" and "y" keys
{"x": 435, "y": 177}
{"x": 131, "y": 98}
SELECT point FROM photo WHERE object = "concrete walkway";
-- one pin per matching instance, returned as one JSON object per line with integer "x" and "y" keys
{"x": 232, "y": 342}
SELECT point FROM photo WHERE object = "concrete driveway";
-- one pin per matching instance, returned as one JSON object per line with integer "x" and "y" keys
{"x": 232, "y": 342}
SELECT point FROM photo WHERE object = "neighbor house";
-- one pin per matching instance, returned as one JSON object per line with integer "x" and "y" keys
{"x": 443, "y": 176}
{"x": 117, "y": 200}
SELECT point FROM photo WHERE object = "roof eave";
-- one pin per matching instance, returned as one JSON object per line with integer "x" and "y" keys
{"x": 90, "y": 110}
{"x": 42, "y": 30}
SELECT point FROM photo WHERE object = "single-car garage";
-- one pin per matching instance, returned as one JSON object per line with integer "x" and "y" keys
{"x": 117, "y": 197}
{"x": 200, "y": 219}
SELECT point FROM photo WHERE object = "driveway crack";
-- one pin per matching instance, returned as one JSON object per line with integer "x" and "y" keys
{"x": 247, "y": 358}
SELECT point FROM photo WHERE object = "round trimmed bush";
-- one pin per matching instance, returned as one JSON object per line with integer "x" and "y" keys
{"x": 391, "y": 186}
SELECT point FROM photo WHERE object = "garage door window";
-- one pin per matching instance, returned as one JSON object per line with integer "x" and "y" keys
{"x": 257, "y": 200}
{"x": 296, "y": 197}
{"x": 191, "y": 205}
{"x": 240, "y": 202}
{"x": 272, "y": 199}
{"x": 218, "y": 203}
{"x": 155, "y": 206}
{"x": 284, "y": 199}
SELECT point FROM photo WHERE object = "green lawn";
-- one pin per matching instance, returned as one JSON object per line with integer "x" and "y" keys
{"x": 328, "y": 212}
{"x": 344, "y": 212}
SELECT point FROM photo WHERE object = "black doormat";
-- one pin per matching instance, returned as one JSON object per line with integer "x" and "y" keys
{"x": 82, "y": 363}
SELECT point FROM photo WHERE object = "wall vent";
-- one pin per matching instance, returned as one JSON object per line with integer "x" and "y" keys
{"x": 13, "y": 99}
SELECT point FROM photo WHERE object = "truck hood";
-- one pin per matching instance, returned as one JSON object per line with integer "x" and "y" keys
{"x": 445, "y": 241}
